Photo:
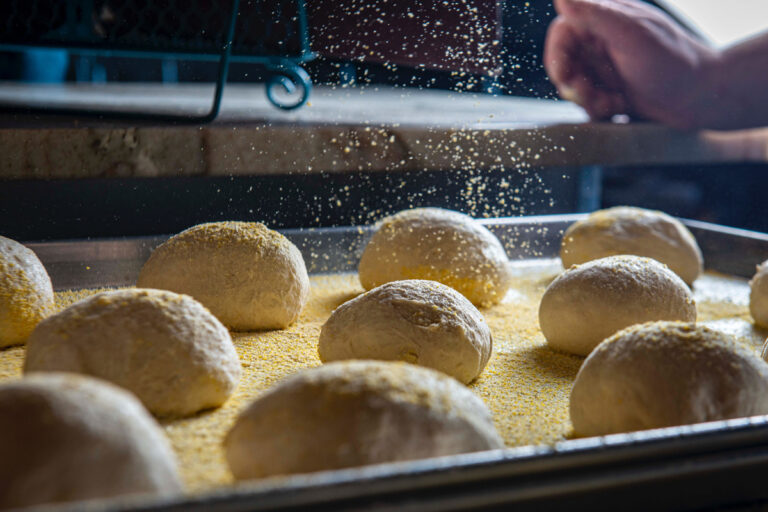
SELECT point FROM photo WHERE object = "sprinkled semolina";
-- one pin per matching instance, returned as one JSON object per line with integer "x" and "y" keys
{"x": 526, "y": 385}
{"x": 11, "y": 360}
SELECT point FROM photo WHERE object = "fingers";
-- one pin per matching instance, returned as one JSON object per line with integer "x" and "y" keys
{"x": 560, "y": 51}
{"x": 570, "y": 54}
{"x": 610, "y": 19}
{"x": 578, "y": 53}
{"x": 582, "y": 71}
{"x": 600, "y": 104}
{"x": 603, "y": 105}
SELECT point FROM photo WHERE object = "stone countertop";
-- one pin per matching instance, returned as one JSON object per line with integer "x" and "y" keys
{"x": 341, "y": 129}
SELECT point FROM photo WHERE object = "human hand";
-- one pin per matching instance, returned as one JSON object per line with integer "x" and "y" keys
{"x": 626, "y": 57}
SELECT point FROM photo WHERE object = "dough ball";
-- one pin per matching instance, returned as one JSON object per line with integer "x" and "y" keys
{"x": 628, "y": 230}
{"x": 662, "y": 374}
{"x": 589, "y": 302}
{"x": 26, "y": 294}
{"x": 353, "y": 413}
{"x": 249, "y": 276}
{"x": 758, "y": 296}
{"x": 68, "y": 438}
{"x": 437, "y": 245}
{"x": 419, "y": 322}
{"x": 164, "y": 347}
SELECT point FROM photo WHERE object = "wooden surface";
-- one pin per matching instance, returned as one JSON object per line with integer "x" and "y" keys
{"x": 341, "y": 129}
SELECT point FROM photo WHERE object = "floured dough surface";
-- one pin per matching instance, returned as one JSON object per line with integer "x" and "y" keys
{"x": 65, "y": 437}
{"x": 415, "y": 321}
{"x": 249, "y": 276}
{"x": 164, "y": 347}
{"x": 589, "y": 302}
{"x": 437, "y": 245}
{"x": 26, "y": 294}
{"x": 637, "y": 231}
{"x": 353, "y": 413}
{"x": 662, "y": 374}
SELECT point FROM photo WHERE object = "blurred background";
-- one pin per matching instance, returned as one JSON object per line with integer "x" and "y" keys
{"x": 356, "y": 48}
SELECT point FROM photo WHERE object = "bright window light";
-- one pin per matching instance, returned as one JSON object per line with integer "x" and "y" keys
{"x": 722, "y": 22}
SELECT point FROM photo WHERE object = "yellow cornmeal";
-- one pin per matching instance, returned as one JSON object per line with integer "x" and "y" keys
{"x": 526, "y": 385}
{"x": 220, "y": 234}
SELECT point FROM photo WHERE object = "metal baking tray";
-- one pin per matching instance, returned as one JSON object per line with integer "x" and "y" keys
{"x": 707, "y": 465}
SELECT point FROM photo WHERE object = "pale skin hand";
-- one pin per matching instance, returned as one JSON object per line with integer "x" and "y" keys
{"x": 626, "y": 57}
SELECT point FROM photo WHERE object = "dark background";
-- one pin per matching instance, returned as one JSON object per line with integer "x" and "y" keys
{"x": 64, "y": 209}
{"x": 36, "y": 210}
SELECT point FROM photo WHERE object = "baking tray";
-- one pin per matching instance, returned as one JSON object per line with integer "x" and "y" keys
{"x": 706, "y": 465}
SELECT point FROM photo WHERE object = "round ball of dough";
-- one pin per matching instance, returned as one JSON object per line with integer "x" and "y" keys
{"x": 26, "y": 294}
{"x": 628, "y": 230}
{"x": 68, "y": 438}
{"x": 166, "y": 348}
{"x": 758, "y": 296}
{"x": 419, "y": 322}
{"x": 353, "y": 413}
{"x": 249, "y": 276}
{"x": 437, "y": 245}
{"x": 589, "y": 302}
{"x": 662, "y": 374}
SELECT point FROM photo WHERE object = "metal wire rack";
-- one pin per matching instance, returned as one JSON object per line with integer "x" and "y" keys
{"x": 273, "y": 33}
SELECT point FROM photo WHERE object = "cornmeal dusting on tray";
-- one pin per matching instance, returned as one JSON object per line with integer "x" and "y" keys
{"x": 526, "y": 385}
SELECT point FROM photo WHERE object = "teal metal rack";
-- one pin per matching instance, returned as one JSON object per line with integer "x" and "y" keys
{"x": 272, "y": 33}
